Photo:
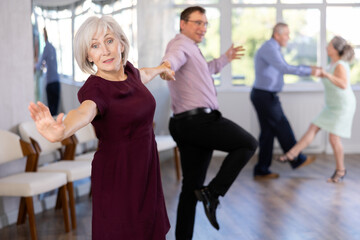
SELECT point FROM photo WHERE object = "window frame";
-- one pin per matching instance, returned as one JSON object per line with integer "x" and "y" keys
{"x": 225, "y": 9}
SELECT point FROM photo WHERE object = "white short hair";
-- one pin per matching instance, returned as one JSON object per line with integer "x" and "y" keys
{"x": 87, "y": 30}
{"x": 279, "y": 28}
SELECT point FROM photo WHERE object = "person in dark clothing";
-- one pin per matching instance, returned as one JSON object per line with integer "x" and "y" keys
{"x": 198, "y": 126}
{"x": 48, "y": 60}
{"x": 270, "y": 67}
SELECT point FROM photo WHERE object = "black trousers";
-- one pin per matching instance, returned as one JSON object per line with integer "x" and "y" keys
{"x": 53, "y": 97}
{"x": 197, "y": 136}
{"x": 273, "y": 123}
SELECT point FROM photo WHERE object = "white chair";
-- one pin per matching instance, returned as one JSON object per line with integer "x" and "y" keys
{"x": 28, "y": 184}
{"x": 166, "y": 142}
{"x": 75, "y": 170}
{"x": 85, "y": 136}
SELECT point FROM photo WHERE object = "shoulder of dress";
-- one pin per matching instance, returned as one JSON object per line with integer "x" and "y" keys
{"x": 130, "y": 67}
{"x": 341, "y": 63}
{"x": 92, "y": 80}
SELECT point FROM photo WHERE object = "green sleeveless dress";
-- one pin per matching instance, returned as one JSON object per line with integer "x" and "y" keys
{"x": 340, "y": 104}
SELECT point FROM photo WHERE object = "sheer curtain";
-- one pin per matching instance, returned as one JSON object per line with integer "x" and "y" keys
{"x": 155, "y": 29}
{"x": 54, "y": 3}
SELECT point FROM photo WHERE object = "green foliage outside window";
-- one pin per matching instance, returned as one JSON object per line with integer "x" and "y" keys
{"x": 251, "y": 27}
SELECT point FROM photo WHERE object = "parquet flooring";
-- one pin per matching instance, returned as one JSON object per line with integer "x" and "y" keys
{"x": 300, "y": 205}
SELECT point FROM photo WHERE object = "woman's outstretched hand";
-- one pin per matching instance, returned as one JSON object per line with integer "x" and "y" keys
{"x": 52, "y": 130}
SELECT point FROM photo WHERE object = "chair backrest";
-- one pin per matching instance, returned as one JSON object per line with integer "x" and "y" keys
{"x": 86, "y": 134}
{"x": 10, "y": 148}
{"x": 13, "y": 148}
{"x": 28, "y": 130}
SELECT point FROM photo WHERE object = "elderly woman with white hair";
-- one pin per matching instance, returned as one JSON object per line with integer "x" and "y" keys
{"x": 340, "y": 104}
{"x": 128, "y": 201}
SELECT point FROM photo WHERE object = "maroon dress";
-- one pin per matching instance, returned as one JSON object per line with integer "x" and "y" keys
{"x": 128, "y": 202}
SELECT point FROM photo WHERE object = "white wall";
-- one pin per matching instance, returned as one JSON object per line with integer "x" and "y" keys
{"x": 155, "y": 29}
{"x": 16, "y": 62}
{"x": 16, "y": 81}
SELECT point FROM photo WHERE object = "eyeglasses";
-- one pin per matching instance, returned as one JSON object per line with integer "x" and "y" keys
{"x": 199, "y": 23}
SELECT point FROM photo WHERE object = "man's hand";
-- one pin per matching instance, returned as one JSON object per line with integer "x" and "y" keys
{"x": 234, "y": 52}
{"x": 316, "y": 71}
{"x": 167, "y": 74}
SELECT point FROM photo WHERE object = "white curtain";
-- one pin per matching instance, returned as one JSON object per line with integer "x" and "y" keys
{"x": 54, "y": 3}
{"x": 155, "y": 29}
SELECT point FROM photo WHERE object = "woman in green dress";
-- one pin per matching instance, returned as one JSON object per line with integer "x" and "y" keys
{"x": 340, "y": 103}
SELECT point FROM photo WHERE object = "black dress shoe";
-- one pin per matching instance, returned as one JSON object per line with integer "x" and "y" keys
{"x": 210, "y": 204}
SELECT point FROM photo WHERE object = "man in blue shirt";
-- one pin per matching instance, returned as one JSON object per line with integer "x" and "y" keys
{"x": 48, "y": 59}
{"x": 270, "y": 67}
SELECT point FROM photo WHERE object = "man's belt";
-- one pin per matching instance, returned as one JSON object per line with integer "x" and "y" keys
{"x": 192, "y": 112}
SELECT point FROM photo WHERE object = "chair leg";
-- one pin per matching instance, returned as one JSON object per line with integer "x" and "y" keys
{"x": 90, "y": 192}
{"x": 22, "y": 212}
{"x": 70, "y": 188}
{"x": 58, "y": 201}
{"x": 65, "y": 208}
{"x": 177, "y": 163}
{"x": 30, "y": 212}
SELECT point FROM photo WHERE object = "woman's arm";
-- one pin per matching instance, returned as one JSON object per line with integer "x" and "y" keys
{"x": 59, "y": 129}
{"x": 147, "y": 74}
{"x": 339, "y": 78}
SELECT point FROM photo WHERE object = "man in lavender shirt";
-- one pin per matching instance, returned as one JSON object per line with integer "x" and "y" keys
{"x": 270, "y": 67}
{"x": 198, "y": 127}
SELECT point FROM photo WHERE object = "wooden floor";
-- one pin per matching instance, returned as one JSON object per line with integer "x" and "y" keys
{"x": 298, "y": 205}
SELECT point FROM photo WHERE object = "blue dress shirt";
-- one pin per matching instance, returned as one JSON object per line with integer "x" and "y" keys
{"x": 270, "y": 67}
{"x": 49, "y": 57}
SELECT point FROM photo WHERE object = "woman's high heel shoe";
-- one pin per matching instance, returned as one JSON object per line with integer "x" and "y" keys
{"x": 338, "y": 176}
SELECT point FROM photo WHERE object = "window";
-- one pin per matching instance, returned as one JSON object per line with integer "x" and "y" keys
{"x": 245, "y": 22}
{"x": 302, "y": 49}
{"x": 343, "y": 1}
{"x": 255, "y": 1}
{"x": 250, "y": 34}
{"x": 59, "y": 26}
{"x": 210, "y": 47}
{"x": 55, "y": 22}
{"x": 251, "y": 24}
{"x": 301, "y": 1}
{"x": 193, "y": 2}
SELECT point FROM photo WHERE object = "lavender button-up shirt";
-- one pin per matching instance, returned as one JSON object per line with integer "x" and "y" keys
{"x": 194, "y": 85}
